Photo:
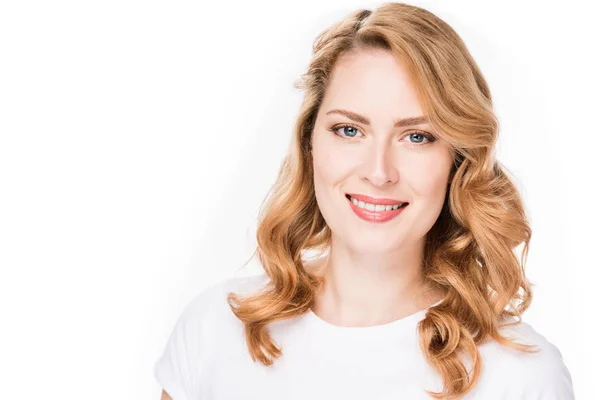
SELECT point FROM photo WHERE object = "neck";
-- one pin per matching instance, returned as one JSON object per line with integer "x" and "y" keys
{"x": 365, "y": 289}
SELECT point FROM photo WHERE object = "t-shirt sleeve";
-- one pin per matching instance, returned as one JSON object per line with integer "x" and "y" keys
{"x": 177, "y": 370}
{"x": 172, "y": 370}
{"x": 516, "y": 375}
{"x": 554, "y": 378}
{"x": 546, "y": 379}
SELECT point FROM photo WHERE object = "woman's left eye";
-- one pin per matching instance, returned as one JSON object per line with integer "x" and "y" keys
{"x": 419, "y": 136}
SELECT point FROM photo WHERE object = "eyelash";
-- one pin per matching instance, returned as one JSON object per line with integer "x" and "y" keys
{"x": 335, "y": 128}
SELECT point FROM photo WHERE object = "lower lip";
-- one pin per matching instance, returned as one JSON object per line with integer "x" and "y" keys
{"x": 375, "y": 216}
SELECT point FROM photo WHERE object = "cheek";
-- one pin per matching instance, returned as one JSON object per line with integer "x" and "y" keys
{"x": 331, "y": 166}
{"x": 428, "y": 176}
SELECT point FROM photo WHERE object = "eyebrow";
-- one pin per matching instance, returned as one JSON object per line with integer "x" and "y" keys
{"x": 398, "y": 123}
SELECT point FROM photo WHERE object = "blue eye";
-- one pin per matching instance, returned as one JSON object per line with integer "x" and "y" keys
{"x": 349, "y": 132}
{"x": 418, "y": 134}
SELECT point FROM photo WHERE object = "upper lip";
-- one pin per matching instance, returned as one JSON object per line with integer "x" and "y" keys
{"x": 376, "y": 200}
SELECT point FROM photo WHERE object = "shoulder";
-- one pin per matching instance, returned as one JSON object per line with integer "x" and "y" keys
{"x": 541, "y": 375}
{"x": 209, "y": 312}
{"x": 211, "y": 302}
{"x": 245, "y": 284}
{"x": 207, "y": 322}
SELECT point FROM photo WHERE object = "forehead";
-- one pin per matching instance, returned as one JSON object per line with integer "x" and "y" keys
{"x": 372, "y": 82}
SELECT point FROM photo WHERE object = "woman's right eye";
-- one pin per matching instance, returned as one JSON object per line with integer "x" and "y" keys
{"x": 349, "y": 133}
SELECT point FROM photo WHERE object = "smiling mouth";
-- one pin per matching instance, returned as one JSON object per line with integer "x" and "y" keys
{"x": 375, "y": 207}
{"x": 375, "y": 213}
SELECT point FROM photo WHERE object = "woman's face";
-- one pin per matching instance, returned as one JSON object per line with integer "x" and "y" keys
{"x": 373, "y": 157}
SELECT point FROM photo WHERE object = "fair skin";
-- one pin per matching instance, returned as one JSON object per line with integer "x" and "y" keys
{"x": 373, "y": 270}
{"x": 165, "y": 396}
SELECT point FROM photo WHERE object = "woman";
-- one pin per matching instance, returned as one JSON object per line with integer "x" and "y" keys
{"x": 417, "y": 294}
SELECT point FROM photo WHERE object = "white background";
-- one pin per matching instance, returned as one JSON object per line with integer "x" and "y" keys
{"x": 138, "y": 139}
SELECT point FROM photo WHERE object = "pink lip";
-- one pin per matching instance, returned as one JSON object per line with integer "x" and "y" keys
{"x": 375, "y": 216}
{"x": 375, "y": 200}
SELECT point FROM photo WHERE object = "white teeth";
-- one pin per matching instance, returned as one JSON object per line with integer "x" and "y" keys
{"x": 374, "y": 207}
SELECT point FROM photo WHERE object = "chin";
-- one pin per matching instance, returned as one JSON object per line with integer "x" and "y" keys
{"x": 375, "y": 244}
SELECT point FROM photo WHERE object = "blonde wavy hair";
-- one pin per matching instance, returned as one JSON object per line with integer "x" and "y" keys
{"x": 469, "y": 250}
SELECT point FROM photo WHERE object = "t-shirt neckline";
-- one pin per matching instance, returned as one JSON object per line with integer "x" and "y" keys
{"x": 403, "y": 325}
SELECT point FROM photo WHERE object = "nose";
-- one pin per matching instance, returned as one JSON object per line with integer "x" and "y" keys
{"x": 379, "y": 166}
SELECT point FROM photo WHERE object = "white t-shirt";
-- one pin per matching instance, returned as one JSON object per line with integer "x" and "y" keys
{"x": 206, "y": 358}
